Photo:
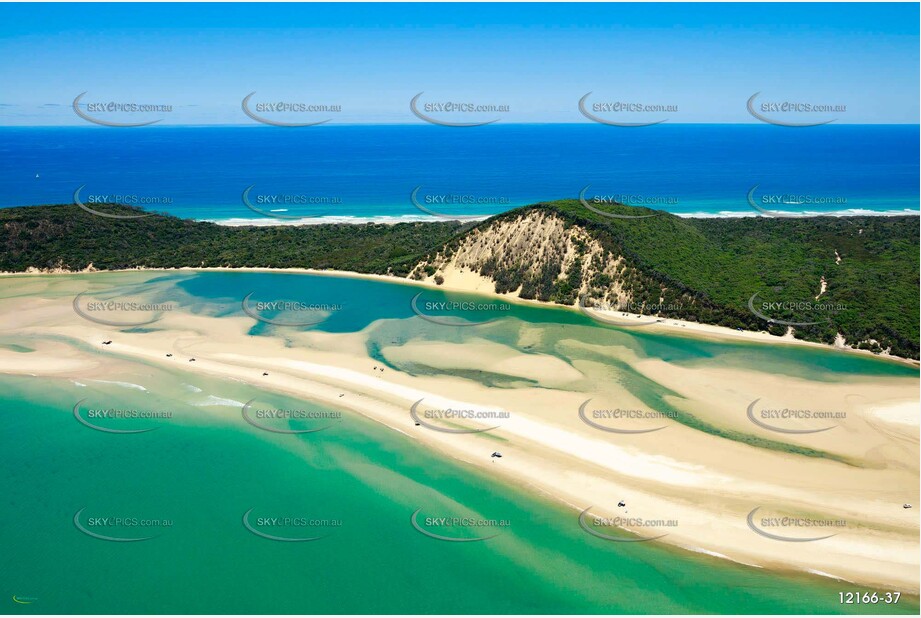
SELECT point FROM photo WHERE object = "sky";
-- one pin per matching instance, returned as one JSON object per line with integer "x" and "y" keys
{"x": 701, "y": 62}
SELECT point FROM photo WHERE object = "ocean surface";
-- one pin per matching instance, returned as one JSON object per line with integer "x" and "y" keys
{"x": 357, "y": 173}
{"x": 192, "y": 480}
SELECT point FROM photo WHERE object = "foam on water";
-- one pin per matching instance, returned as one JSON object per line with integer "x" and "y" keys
{"x": 137, "y": 387}
{"x": 213, "y": 400}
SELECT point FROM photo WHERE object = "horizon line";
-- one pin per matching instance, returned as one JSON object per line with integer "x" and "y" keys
{"x": 423, "y": 124}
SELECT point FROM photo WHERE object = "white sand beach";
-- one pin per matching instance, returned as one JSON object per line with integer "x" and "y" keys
{"x": 708, "y": 486}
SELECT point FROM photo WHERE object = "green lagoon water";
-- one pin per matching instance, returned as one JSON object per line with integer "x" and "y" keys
{"x": 355, "y": 484}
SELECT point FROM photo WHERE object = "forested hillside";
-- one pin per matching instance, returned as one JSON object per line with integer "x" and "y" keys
{"x": 854, "y": 278}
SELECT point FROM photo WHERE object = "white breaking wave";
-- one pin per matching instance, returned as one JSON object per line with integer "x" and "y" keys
{"x": 136, "y": 387}
{"x": 218, "y": 401}
{"x": 850, "y": 212}
{"x": 716, "y": 554}
{"x": 391, "y": 219}
{"x": 824, "y": 574}
{"x": 383, "y": 219}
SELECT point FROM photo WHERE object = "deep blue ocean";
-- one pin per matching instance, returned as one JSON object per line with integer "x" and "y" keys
{"x": 360, "y": 172}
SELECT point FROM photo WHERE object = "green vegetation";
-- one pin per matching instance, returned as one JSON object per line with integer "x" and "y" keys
{"x": 707, "y": 270}
{"x": 704, "y": 270}
{"x": 64, "y": 236}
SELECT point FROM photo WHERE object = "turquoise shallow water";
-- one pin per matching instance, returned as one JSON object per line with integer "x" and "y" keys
{"x": 364, "y": 302}
{"x": 202, "y": 472}
{"x": 204, "y": 467}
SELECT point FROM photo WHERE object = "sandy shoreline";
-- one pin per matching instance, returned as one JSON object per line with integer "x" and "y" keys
{"x": 472, "y": 283}
{"x": 707, "y": 484}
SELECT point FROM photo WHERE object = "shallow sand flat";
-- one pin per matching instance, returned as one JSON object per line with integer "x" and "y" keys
{"x": 474, "y": 283}
{"x": 897, "y": 412}
{"x": 721, "y": 395}
{"x": 708, "y": 484}
{"x": 483, "y": 355}
{"x": 554, "y": 429}
{"x": 558, "y": 473}
{"x": 47, "y": 358}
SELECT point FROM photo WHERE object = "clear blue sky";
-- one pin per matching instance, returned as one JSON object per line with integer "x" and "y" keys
{"x": 537, "y": 58}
